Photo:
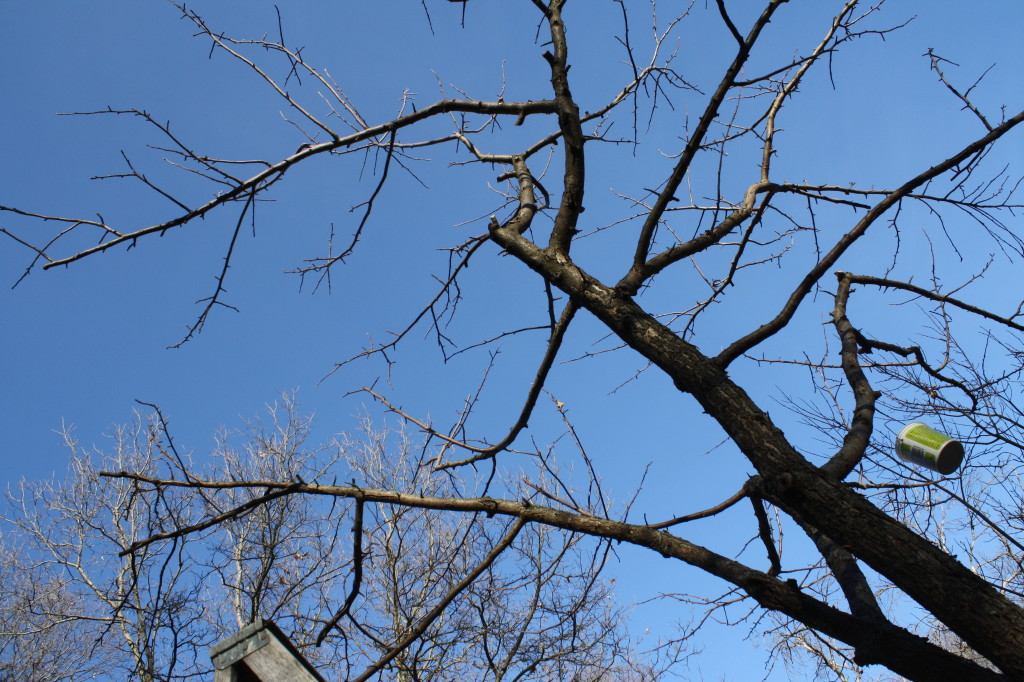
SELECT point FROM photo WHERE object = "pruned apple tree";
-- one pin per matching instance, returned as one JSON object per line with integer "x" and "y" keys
{"x": 694, "y": 211}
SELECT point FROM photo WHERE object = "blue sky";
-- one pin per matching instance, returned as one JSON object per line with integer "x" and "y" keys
{"x": 81, "y": 344}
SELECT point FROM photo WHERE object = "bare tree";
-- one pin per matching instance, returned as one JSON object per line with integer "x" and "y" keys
{"x": 140, "y": 614}
{"x": 287, "y": 559}
{"x": 885, "y": 547}
{"x": 44, "y": 634}
{"x": 539, "y": 611}
{"x": 79, "y": 600}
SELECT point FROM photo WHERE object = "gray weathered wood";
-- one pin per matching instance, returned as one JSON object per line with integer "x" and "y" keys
{"x": 265, "y": 651}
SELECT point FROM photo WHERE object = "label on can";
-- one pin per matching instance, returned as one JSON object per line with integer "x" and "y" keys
{"x": 924, "y": 446}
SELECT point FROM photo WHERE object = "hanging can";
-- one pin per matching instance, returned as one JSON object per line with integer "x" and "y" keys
{"x": 918, "y": 444}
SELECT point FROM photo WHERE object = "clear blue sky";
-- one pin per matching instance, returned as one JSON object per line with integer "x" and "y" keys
{"x": 80, "y": 345}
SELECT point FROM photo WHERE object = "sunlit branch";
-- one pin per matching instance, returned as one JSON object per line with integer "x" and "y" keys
{"x": 791, "y": 85}
{"x": 718, "y": 287}
{"x": 550, "y": 353}
{"x": 964, "y": 97}
{"x": 223, "y": 45}
{"x": 975, "y": 511}
{"x": 325, "y": 264}
{"x": 520, "y": 221}
{"x": 848, "y": 34}
{"x": 463, "y": 263}
{"x": 594, "y": 486}
{"x": 143, "y": 179}
{"x": 631, "y": 283}
{"x": 555, "y": 498}
{"x": 825, "y": 365}
{"x": 181, "y": 148}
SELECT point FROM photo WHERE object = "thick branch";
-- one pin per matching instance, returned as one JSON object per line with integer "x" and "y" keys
{"x": 858, "y": 436}
{"x": 572, "y": 133}
{"x": 849, "y": 577}
{"x": 957, "y": 596}
{"x": 897, "y": 649}
{"x": 764, "y": 531}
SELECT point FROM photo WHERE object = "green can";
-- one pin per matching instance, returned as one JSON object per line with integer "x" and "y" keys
{"x": 924, "y": 446}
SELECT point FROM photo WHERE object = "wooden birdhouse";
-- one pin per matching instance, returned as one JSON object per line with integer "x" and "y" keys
{"x": 260, "y": 652}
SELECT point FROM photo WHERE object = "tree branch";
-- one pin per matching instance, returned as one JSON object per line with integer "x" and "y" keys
{"x": 571, "y": 205}
{"x": 744, "y": 344}
{"x": 357, "y": 573}
{"x": 858, "y": 435}
{"x": 897, "y": 649}
{"x": 434, "y": 613}
{"x": 693, "y": 145}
